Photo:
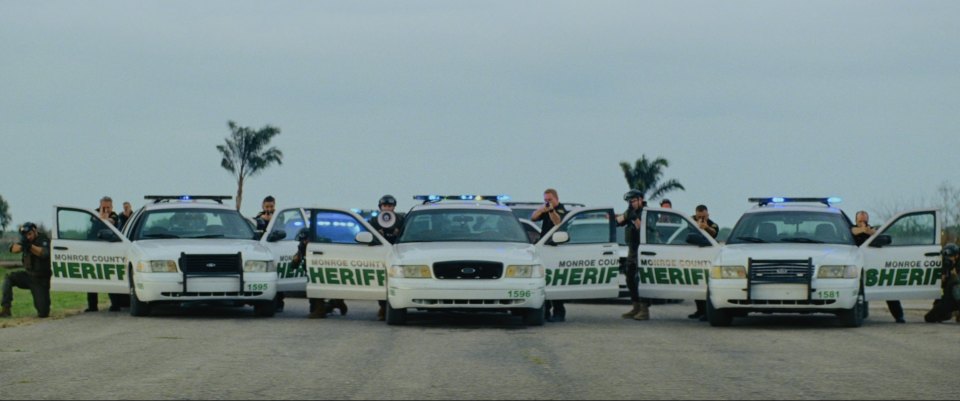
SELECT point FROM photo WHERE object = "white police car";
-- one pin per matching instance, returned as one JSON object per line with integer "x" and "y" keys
{"x": 176, "y": 249}
{"x": 798, "y": 255}
{"x": 461, "y": 252}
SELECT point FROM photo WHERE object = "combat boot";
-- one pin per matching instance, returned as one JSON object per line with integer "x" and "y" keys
{"x": 5, "y": 312}
{"x": 633, "y": 312}
{"x": 318, "y": 309}
{"x": 339, "y": 304}
{"x": 643, "y": 313}
{"x": 382, "y": 314}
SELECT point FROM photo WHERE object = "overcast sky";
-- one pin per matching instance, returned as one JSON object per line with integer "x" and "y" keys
{"x": 857, "y": 99}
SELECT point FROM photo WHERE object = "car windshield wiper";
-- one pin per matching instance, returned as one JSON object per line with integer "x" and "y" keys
{"x": 801, "y": 239}
{"x": 160, "y": 236}
{"x": 209, "y": 236}
{"x": 751, "y": 239}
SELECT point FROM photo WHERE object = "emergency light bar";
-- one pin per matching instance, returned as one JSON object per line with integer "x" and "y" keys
{"x": 766, "y": 201}
{"x": 437, "y": 198}
{"x": 186, "y": 198}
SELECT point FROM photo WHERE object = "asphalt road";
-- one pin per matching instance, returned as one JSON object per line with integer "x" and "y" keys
{"x": 203, "y": 352}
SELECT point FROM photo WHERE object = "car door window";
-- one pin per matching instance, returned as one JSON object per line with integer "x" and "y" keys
{"x": 78, "y": 225}
{"x": 335, "y": 228}
{"x": 913, "y": 230}
{"x": 589, "y": 228}
{"x": 289, "y": 221}
{"x": 666, "y": 228}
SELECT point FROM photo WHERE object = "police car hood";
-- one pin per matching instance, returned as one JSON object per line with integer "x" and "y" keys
{"x": 822, "y": 254}
{"x": 429, "y": 252}
{"x": 170, "y": 249}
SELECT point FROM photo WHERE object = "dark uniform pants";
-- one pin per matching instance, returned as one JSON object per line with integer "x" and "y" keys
{"x": 39, "y": 287}
{"x": 631, "y": 274}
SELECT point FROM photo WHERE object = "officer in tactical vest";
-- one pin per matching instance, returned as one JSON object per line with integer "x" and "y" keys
{"x": 387, "y": 204}
{"x": 630, "y": 221}
{"x": 946, "y": 307}
{"x": 36, "y": 272}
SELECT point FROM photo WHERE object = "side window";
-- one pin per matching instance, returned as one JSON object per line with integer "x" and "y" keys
{"x": 589, "y": 228}
{"x": 289, "y": 221}
{"x": 668, "y": 228}
{"x": 78, "y": 225}
{"x": 335, "y": 228}
{"x": 913, "y": 229}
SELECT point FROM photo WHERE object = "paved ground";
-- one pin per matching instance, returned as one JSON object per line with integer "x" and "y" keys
{"x": 229, "y": 353}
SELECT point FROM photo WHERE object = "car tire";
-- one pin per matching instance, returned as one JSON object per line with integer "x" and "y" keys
{"x": 265, "y": 308}
{"x": 395, "y": 317}
{"x": 854, "y": 316}
{"x": 534, "y": 317}
{"x": 718, "y": 317}
{"x": 138, "y": 308}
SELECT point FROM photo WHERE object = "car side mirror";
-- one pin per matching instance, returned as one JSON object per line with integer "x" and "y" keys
{"x": 107, "y": 235}
{"x": 276, "y": 235}
{"x": 560, "y": 237}
{"x": 697, "y": 239}
{"x": 364, "y": 237}
{"x": 881, "y": 241}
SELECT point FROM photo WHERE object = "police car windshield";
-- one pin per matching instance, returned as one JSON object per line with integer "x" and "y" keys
{"x": 473, "y": 225}
{"x": 792, "y": 227}
{"x": 192, "y": 223}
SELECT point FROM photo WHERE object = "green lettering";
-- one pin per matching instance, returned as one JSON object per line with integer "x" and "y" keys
{"x": 698, "y": 274}
{"x": 676, "y": 276}
{"x": 872, "y": 277}
{"x": 686, "y": 276}
{"x": 100, "y": 271}
{"x": 560, "y": 276}
{"x": 88, "y": 271}
{"x": 590, "y": 276}
{"x": 121, "y": 271}
{"x": 346, "y": 276}
{"x": 886, "y": 277}
{"x": 575, "y": 276}
{"x": 916, "y": 277}
{"x": 60, "y": 269}
{"x": 316, "y": 276}
{"x": 105, "y": 271}
{"x": 74, "y": 269}
{"x": 646, "y": 275}
{"x": 661, "y": 274}
{"x": 612, "y": 273}
{"x": 381, "y": 277}
{"x": 331, "y": 275}
{"x": 367, "y": 276}
{"x": 901, "y": 277}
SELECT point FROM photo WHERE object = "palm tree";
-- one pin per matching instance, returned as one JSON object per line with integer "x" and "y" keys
{"x": 645, "y": 176}
{"x": 4, "y": 215}
{"x": 244, "y": 154}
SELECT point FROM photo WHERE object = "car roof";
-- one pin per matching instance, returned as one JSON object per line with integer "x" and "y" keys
{"x": 794, "y": 208}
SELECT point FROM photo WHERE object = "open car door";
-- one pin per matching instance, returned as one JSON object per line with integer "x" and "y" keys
{"x": 346, "y": 258}
{"x": 87, "y": 254}
{"x": 902, "y": 259}
{"x": 675, "y": 256}
{"x": 281, "y": 238}
{"x": 580, "y": 256}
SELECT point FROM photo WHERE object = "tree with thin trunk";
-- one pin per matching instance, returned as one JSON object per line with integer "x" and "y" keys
{"x": 5, "y": 218}
{"x": 645, "y": 175}
{"x": 244, "y": 154}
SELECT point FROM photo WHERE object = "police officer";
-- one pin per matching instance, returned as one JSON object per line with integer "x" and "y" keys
{"x": 35, "y": 277}
{"x": 318, "y": 307}
{"x": 945, "y": 307}
{"x": 862, "y": 231}
{"x": 630, "y": 220}
{"x": 267, "y": 209}
{"x": 107, "y": 214}
{"x": 387, "y": 203}
{"x": 702, "y": 217}
{"x": 551, "y": 213}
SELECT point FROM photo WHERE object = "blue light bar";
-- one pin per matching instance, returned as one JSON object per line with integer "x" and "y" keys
{"x": 780, "y": 200}
{"x": 834, "y": 199}
{"x": 777, "y": 200}
{"x": 465, "y": 197}
{"x": 185, "y": 197}
{"x": 355, "y": 210}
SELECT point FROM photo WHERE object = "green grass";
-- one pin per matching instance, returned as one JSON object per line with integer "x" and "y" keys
{"x": 62, "y": 304}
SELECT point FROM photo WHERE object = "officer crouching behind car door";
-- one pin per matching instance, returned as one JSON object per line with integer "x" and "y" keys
{"x": 318, "y": 307}
{"x": 390, "y": 225}
{"x": 946, "y": 307}
{"x": 35, "y": 277}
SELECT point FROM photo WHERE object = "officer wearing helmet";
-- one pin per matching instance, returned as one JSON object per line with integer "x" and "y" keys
{"x": 35, "y": 276}
{"x": 945, "y": 307}
{"x": 630, "y": 221}
{"x": 394, "y": 222}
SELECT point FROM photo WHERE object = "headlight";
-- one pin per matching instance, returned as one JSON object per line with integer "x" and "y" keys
{"x": 157, "y": 266}
{"x": 725, "y": 272}
{"x": 838, "y": 271}
{"x": 524, "y": 271}
{"x": 410, "y": 271}
{"x": 258, "y": 266}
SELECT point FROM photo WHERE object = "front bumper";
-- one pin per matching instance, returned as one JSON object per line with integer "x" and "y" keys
{"x": 827, "y": 295}
{"x": 464, "y": 294}
{"x": 160, "y": 287}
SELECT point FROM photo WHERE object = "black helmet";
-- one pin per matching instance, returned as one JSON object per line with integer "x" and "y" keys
{"x": 387, "y": 200}
{"x": 951, "y": 250}
{"x": 303, "y": 234}
{"x": 633, "y": 193}
{"x": 26, "y": 227}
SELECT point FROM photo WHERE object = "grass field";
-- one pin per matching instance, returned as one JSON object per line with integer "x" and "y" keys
{"x": 62, "y": 304}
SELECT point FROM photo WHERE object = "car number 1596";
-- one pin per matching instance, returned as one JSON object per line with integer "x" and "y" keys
{"x": 519, "y": 293}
